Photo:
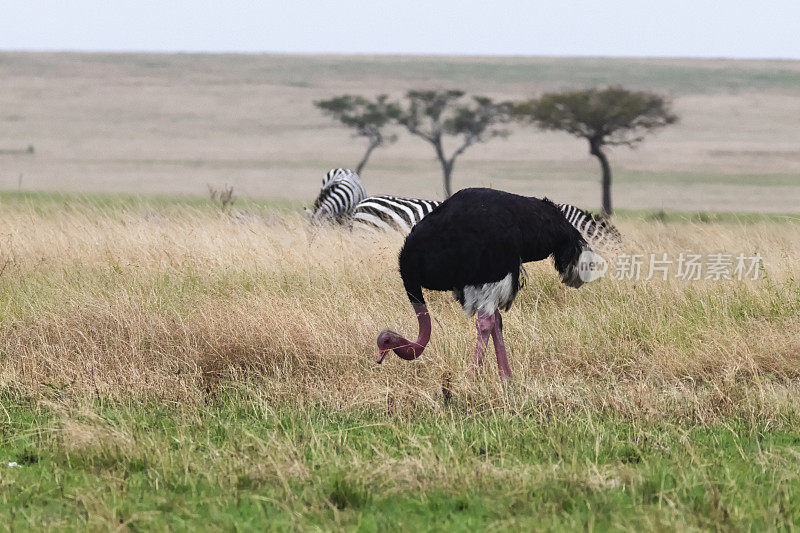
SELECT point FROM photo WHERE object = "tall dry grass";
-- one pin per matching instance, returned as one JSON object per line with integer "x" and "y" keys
{"x": 179, "y": 303}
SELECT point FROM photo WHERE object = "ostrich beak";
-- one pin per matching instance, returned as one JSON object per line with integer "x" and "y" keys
{"x": 381, "y": 355}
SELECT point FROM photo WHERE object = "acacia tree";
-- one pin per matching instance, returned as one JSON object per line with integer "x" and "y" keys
{"x": 605, "y": 117}
{"x": 435, "y": 115}
{"x": 368, "y": 118}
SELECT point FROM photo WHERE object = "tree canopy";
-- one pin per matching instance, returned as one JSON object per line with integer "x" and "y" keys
{"x": 605, "y": 117}
{"x": 619, "y": 116}
{"x": 369, "y": 118}
{"x": 433, "y": 115}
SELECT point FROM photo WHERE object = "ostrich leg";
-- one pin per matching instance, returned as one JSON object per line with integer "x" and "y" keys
{"x": 485, "y": 325}
{"x": 500, "y": 347}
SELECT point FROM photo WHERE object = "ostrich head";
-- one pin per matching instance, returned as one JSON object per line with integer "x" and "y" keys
{"x": 389, "y": 340}
{"x": 567, "y": 262}
{"x": 406, "y": 349}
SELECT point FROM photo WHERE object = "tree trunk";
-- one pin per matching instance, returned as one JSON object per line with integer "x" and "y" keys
{"x": 372, "y": 146}
{"x": 447, "y": 169}
{"x": 596, "y": 150}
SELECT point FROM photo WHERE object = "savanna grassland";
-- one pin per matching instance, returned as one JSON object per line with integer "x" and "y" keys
{"x": 165, "y": 364}
{"x": 172, "y": 123}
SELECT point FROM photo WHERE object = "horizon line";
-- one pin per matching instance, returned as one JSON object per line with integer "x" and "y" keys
{"x": 390, "y": 54}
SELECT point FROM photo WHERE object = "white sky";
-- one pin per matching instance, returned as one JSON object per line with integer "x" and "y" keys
{"x": 693, "y": 28}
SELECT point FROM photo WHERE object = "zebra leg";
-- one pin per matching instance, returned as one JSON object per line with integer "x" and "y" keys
{"x": 485, "y": 325}
{"x": 500, "y": 347}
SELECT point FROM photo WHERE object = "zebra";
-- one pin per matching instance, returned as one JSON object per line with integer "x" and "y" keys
{"x": 596, "y": 229}
{"x": 343, "y": 200}
{"x": 341, "y": 191}
{"x": 401, "y": 214}
{"x": 391, "y": 213}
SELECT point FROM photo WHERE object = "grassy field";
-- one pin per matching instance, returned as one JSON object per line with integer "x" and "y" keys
{"x": 168, "y": 365}
{"x": 172, "y": 123}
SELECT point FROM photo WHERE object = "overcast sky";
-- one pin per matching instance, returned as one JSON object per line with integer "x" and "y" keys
{"x": 693, "y": 28}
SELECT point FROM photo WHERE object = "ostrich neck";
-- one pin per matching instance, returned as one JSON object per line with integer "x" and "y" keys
{"x": 411, "y": 350}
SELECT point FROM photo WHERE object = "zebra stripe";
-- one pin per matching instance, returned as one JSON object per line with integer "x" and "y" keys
{"x": 341, "y": 191}
{"x": 391, "y": 213}
{"x": 343, "y": 199}
{"x": 594, "y": 228}
{"x": 335, "y": 173}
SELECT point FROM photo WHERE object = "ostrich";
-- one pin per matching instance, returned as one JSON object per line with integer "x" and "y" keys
{"x": 474, "y": 244}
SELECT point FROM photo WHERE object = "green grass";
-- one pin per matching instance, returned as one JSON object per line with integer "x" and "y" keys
{"x": 705, "y": 217}
{"x": 43, "y": 202}
{"x": 700, "y": 178}
{"x": 52, "y": 202}
{"x": 240, "y": 462}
